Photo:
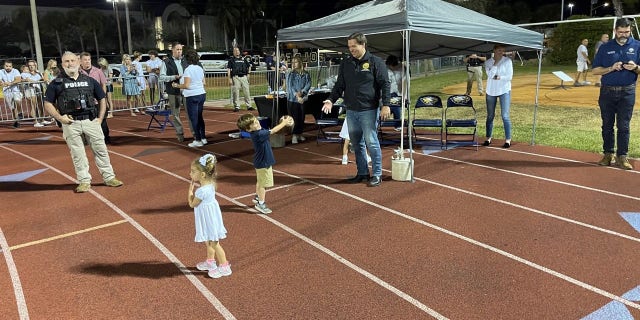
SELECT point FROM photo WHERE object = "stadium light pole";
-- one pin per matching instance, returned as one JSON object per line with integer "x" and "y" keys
{"x": 115, "y": 12}
{"x": 36, "y": 34}
{"x": 562, "y": 10}
{"x": 593, "y": 11}
{"x": 126, "y": 14}
{"x": 570, "y": 9}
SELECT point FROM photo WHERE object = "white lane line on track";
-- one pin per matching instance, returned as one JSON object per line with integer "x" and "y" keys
{"x": 559, "y": 158}
{"x": 491, "y": 248}
{"x": 316, "y": 245}
{"x": 422, "y": 222}
{"x": 483, "y": 245}
{"x": 537, "y": 177}
{"x": 284, "y": 186}
{"x": 508, "y": 203}
{"x": 66, "y": 235}
{"x": 192, "y": 278}
{"x": 23, "y": 312}
{"x": 478, "y": 243}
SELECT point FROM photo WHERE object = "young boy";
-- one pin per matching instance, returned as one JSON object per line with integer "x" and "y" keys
{"x": 263, "y": 159}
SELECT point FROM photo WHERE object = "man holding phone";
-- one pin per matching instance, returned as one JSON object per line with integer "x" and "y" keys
{"x": 617, "y": 62}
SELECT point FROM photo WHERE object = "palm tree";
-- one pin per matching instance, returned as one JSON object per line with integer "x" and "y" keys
{"x": 90, "y": 20}
{"x": 52, "y": 22}
{"x": 228, "y": 14}
{"x": 617, "y": 6}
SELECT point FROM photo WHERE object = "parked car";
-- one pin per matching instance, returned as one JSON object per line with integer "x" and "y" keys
{"x": 213, "y": 61}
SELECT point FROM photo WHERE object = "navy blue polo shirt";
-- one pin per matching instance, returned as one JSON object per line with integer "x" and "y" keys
{"x": 263, "y": 157}
{"x": 612, "y": 52}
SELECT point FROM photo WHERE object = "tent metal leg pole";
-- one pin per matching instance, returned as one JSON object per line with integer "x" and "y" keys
{"x": 535, "y": 107}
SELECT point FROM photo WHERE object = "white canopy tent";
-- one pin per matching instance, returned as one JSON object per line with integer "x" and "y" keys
{"x": 414, "y": 29}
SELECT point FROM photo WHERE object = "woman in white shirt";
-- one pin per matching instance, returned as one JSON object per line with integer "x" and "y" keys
{"x": 192, "y": 85}
{"x": 499, "y": 74}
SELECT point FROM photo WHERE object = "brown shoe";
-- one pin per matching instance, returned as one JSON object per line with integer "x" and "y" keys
{"x": 113, "y": 183}
{"x": 83, "y": 187}
{"x": 607, "y": 159}
{"x": 623, "y": 163}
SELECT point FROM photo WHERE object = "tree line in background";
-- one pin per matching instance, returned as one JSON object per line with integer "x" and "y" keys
{"x": 92, "y": 30}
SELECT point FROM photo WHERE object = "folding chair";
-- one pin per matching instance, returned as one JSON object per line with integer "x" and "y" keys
{"x": 158, "y": 110}
{"x": 427, "y": 121}
{"x": 387, "y": 129}
{"x": 329, "y": 125}
{"x": 461, "y": 116}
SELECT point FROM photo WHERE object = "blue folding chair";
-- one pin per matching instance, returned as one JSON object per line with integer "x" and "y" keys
{"x": 461, "y": 116}
{"x": 160, "y": 109}
{"x": 427, "y": 121}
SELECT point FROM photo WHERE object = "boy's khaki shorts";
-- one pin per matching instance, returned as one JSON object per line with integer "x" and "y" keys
{"x": 265, "y": 177}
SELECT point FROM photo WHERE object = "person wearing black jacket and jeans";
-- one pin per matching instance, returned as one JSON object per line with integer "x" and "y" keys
{"x": 363, "y": 83}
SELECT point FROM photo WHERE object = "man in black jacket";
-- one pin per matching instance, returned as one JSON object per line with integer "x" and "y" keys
{"x": 170, "y": 72}
{"x": 363, "y": 82}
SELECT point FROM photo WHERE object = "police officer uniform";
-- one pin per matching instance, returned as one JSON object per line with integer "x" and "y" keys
{"x": 77, "y": 99}
{"x": 239, "y": 69}
{"x": 474, "y": 72}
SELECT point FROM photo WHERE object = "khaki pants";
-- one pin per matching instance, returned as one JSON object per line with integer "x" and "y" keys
{"x": 475, "y": 75}
{"x": 240, "y": 82}
{"x": 175, "y": 102}
{"x": 92, "y": 130}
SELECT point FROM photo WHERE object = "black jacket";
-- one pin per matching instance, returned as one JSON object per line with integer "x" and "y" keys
{"x": 362, "y": 83}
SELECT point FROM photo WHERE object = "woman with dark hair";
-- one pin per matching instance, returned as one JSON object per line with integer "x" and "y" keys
{"x": 298, "y": 85}
{"x": 192, "y": 85}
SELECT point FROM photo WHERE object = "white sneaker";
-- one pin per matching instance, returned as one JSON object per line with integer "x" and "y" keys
{"x": 195, "y": 144}
{"x": 345, "y": 159}
{"x": 221, "y": 271}
{"x": 301, "y": 138}
{"x": 38, "y": 125}
{"x": 206, "y": 266}
{"x": 204, "y": 141}
{"x": 294, "y": 139}
{"x": 46, "y": 123}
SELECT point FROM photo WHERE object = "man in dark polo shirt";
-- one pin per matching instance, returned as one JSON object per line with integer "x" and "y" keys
{"x": 617, "y": 62}
{"x": 238, "y": 71}
{"x": 474, "y": 71}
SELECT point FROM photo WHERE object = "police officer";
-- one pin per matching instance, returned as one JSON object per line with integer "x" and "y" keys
{"x": 77, "y": 102}
{"x": 238, "y": 71}
{"x": 474, "y": 71}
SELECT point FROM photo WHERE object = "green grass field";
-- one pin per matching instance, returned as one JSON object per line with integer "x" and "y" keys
{"x": 557, "y": 126}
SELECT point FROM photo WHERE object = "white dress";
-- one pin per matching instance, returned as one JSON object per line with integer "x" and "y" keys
{"x": 344, "y": 131}
{"x": 208, "y": 217}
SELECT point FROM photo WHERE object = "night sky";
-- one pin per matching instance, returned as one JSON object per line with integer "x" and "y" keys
{"x": 318, "y": 8}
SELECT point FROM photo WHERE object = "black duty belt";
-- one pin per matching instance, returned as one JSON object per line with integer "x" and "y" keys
{"x": 619, "y": 88}
{"x": 240, "y": 75}
{"x": 83, "y": 117}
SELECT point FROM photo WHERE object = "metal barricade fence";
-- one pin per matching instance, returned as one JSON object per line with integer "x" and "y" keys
{"x": 24, "y": 102}
{"x": 29, "y": 106}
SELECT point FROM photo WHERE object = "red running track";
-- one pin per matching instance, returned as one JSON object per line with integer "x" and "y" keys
{"x": 529, "y": 232}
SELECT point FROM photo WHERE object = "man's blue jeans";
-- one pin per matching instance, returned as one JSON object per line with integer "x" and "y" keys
{"x": 616, "y": 107}
{"x": 195, "y": 105}
{"x": 363, "y": 133}
{"x": 505, "y": 106}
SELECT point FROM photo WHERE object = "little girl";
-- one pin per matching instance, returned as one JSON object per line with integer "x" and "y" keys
{"x": 344, "y": 134}
{"x": 208, "y": 217}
